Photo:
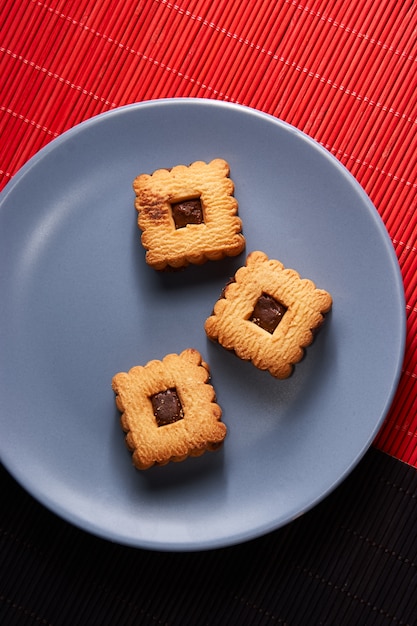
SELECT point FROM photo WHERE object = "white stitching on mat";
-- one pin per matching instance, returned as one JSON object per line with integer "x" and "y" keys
{"x": 21, "y": 609}
{"x": 300, "y": 7}
{"x": 355, "y": 32}
{"x": 275, "y": 57}
{"x": 5, "y": 174}
{"x": 411, "y": 375}
{"x": 27, "y": 120}
{"x": 379, "y": 546}
{"x": 134, "y": 52}
{"x": 271, "y": 616}
{"x": 404, "y": 245}
{"x": 353, "y": 596}
{"x": 340, "y": 153}
{"x": 412, "y": 309}
{"x": 405, "y": 431}
{"x": 44, "y": 70}
{"x": 208, "y": 87}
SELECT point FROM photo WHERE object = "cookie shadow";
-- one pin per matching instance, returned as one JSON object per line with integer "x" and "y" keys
{"x": 185, "y": 277}
{"x": 247, "y": 391}
{"x": 184, "y": 474}
{"x": 192, "y": 275}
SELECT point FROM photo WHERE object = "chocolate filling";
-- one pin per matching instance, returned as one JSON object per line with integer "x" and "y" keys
{"x": 167, "y": 407}
{"x": 268, "y": 313}
{"x": 187, "y": 212}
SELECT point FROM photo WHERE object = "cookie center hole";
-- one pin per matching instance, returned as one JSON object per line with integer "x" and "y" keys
{"x": 167, "y": 407}
{"x": 268, "y": 313}
{"x": 187, "y": 212}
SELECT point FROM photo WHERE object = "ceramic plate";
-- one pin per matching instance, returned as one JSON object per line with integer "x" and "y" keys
{"x": 79, "y": 304}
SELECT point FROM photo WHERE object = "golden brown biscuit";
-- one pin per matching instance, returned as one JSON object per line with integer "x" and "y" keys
{"x": 169, "y": 409}
{"x": 267, "y": 314}
{"x": 188, "y": 214}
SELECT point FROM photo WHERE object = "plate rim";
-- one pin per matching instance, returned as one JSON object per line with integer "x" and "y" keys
{"x": 240, "y": 537}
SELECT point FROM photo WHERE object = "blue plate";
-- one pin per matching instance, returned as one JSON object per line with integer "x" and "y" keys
{"x": 79, "y": 304}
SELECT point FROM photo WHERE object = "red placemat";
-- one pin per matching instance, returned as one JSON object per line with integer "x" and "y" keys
{"x": 344, "y": 73}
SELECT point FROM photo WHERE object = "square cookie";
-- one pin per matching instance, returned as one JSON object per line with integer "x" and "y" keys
{"x": 188, "y": 214}
{"x": 168, "y": 409}
{"x": 267, "y": 314}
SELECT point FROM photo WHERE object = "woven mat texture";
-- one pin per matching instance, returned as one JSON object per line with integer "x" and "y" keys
{"x": 343, "y": 72}
{"x": 351, "y": 561}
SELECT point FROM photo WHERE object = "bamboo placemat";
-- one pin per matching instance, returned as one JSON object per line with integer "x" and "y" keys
{"x": 350, "y": 561}
{"x": 344, "y": 73}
